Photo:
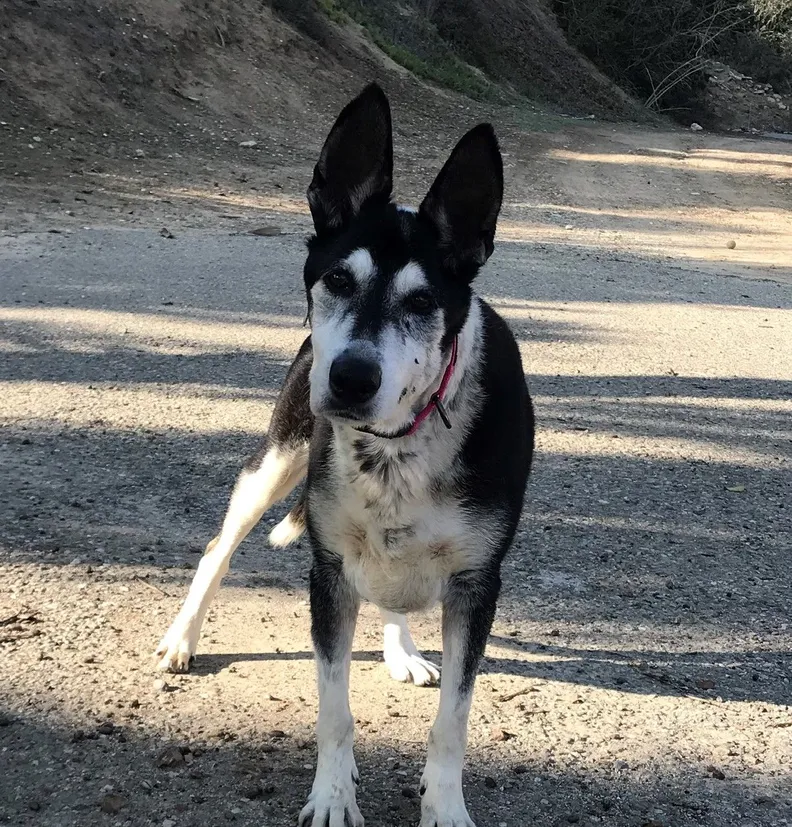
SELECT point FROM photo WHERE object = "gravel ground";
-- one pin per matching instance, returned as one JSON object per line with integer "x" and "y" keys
{"x": 638, "y": 673}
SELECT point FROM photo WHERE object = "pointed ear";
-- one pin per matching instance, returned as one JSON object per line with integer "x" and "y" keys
{"x": 465, "y": 199}
{"x": 356, "y": 163}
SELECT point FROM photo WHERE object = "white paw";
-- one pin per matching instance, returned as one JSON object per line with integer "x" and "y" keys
{"x": 332, "y": 801}
{"x": 406, "y": 667}
{"x": 177, "y": 648}
{"x": 442, "y": 803}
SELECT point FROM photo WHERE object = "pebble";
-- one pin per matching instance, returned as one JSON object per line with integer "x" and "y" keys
{"x": 696, "y": 127}
{"x": 160, "y": 685}
{"x": 408, "y": 792}
{"x": 252, "y": 791}
{"x": 112, "y": 803}
{"x": 248, "y": 144}
{"x": 490, "y": 782}
{"x": 731, "y": 243}
{"x": 716, "y": 773}
{"x": 170, "y": 757}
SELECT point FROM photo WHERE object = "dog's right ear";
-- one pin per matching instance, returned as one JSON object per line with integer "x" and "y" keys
{"x": 356, "y": 163}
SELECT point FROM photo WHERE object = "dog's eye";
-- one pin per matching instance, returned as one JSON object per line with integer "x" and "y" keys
{"x": 339, "y": 283}
{"x": 421, "y": 303}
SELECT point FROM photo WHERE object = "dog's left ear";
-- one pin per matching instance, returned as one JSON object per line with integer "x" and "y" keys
{"x": 465, "y": 199}
{"x": 356, "y": 162}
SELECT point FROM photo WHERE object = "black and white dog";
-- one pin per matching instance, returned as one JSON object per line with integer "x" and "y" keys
{"x": 407, "y": 409}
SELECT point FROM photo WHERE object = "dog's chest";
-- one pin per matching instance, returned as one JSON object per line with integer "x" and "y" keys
{"x": 400, "y": 534}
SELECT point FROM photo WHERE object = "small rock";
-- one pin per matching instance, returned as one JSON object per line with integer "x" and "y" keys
{"x": 520, "y": 769}
{"x": 170, "y": 757}
{"x": 6, "y": 720}
{"x": 490, "y": 782}
{"x": 112, "y": 803}
{"x": 716, "y": 773}
{"x": 267, "y": 230}
{"x": 34, "y": 805}
{"x": 705, "y": 683}
{"x": 169, "y": 822}
{"x": 408, "y": 792}
{"x": 106, "y": 728}
{"x": 278, "y": 733}
{"x": 134, "y": 703}
{"x": 166, "y": 233}
{"x": 160, "y": 685}
{"x": 248, "y": 144}
{"x": 731, "y": 243}
{"x": 497, "y": 734}
{"x": 139, "y": 153}
{"x": 252, "y": 792}
{"x": 696, "y": 127}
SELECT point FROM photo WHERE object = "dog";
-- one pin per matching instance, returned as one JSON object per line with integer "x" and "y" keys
{"x": 407, "y": 413}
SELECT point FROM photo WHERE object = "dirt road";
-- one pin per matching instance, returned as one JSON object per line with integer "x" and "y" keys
{"x": 638, "y": 673}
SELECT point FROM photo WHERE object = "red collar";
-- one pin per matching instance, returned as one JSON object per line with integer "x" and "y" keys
{"x": 436, "y": 401}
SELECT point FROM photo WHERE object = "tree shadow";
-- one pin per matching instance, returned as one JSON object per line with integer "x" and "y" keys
{"x": 64, "y": 769}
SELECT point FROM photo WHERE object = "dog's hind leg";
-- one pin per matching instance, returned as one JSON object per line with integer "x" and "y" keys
{"x": 268, "y": 477}
{"x": 402, "y": 657}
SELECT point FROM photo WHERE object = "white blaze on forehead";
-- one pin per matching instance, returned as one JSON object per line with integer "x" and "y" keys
{"x": 410, "y": 278}
{"x": 361, "y": 265}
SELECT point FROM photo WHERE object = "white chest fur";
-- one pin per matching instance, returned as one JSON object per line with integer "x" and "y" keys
{"x": 401, "y": 536}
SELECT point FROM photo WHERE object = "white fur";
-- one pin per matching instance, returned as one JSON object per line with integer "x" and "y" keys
{"x": 409, "y": 278}
{"x": 286, "y": 532}
{"x": 333, "y": 797}
{"x": 442, "y": 801}
{"x": 253, "y": 494}
{"x": 402, "y": 657}
{"x": 361, "y": 265}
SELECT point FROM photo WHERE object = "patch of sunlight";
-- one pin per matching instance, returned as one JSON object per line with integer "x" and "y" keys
{"x": 651, "y": 447}
{"x": 165, "y": 332}
{"x": 651, "y": 339}
{"x": 53, "y": 405}
{"x": 773, "y": 165}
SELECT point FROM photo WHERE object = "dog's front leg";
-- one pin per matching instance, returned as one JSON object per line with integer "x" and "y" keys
{"x": 468, "y": 611}
{"x": 334, "y": 610}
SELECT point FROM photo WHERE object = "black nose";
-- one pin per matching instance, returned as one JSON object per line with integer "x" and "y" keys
{"x": 354, "y": 379}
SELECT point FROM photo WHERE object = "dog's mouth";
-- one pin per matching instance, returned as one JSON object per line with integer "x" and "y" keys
{"x": 357, "y": 422}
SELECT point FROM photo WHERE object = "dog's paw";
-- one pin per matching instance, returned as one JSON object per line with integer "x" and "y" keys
{"x": 406, "y": 667}
{"x": 442, "y": 803}
{"x": 176, "y": 650}
{"x": 332, "y": 803}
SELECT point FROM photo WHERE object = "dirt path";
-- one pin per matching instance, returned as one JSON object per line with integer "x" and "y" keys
{"x": 638, "y": 673}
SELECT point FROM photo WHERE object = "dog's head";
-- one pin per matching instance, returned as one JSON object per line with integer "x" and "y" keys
{"x": 388, "y": 287}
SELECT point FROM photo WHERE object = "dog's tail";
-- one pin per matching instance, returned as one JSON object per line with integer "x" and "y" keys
{"x": 291, "y": 527}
